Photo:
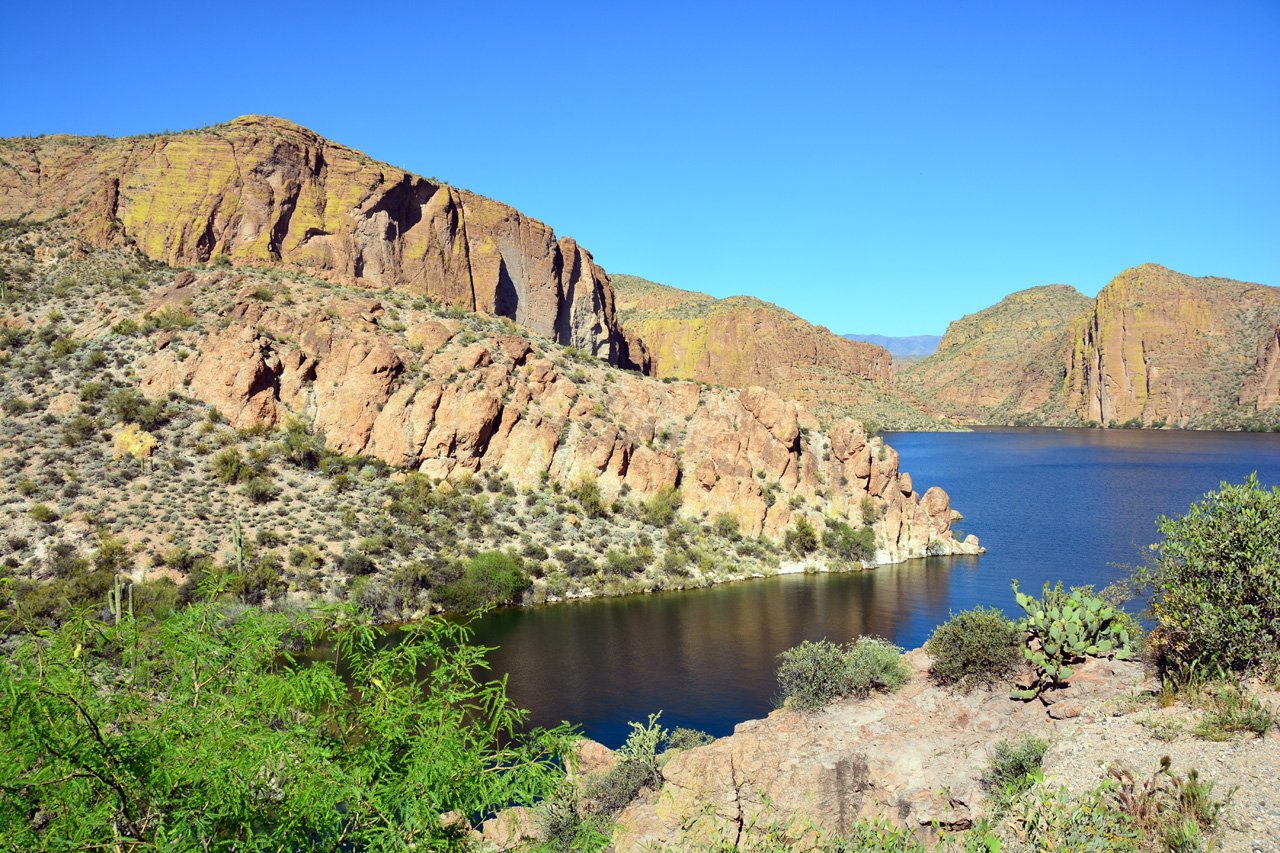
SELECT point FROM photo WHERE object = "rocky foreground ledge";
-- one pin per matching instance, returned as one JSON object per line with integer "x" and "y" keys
{"x": 916, "y": 757}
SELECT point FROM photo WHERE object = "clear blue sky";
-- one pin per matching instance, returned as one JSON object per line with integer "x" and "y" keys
{"x": 875, "y": 167}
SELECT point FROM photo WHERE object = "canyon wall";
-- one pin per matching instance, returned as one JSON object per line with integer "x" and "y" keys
{"x": 264, "y": 191}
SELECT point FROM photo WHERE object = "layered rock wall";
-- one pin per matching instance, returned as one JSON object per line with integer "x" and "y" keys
{"x": 265, "y": 191}
{"x": 742, "y": 341}
{"x": 1162, "y": 346}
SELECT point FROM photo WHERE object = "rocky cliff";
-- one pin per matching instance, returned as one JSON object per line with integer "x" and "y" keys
{"x": 914, "y": 758}
{"x": 1002, "y": 362}
{"x": 1155, "y": 347}
{"x": 741, "y": 341}
{"x": 428, "y": 393}
{"x": 1160, "y": 346}
{"x": 265, "y": 192}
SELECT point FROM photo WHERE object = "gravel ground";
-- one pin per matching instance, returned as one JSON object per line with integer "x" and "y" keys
{"x": 1124, "y": 732}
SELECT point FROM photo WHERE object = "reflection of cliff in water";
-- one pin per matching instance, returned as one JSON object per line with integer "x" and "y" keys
{"x": 706, "y": 657}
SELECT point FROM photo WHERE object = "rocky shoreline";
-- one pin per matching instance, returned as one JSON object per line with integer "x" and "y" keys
{"x": 916, "y": 757}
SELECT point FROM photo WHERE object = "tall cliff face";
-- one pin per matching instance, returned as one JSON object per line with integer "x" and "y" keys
{"x": 1002, "y": 362}
{"x": 742, "y": 341}
{"x": 267, "y": 192}
{"x": 1156, "y": 346}
{"x": 1163, "y": 346}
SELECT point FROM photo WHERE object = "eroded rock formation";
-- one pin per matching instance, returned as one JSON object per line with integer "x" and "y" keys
{"x": 436, "y": 398}
{"x": 1156, "y": 346}
{"x": 912, "y": 758}
{"x": 265, "y": 191}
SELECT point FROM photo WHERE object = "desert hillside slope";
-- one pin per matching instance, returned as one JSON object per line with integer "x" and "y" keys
{"x": 373, "y": 445}
{"x": 1156, "y": 348}
{"x": 742, "y": 341}
{"x": 1001, "y": 362}
{"x": 265, "y": 192}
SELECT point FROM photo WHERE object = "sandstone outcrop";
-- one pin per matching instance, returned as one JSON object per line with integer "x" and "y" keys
{"x": 1162, "y": 346}
{"x": 514, "y": 402}
{"x": 264, "y": 191}
{"x": 1156, "y": 346}
{"x": 1262, "y": 386}
{"x": 742, "y": 341}
{"x": 913, "y": 757}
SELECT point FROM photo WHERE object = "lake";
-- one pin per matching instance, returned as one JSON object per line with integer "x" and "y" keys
{"x": 1048, "y": 504}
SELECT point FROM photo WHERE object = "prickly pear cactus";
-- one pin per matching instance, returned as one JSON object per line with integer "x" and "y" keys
{"x": 1064, "y": 629}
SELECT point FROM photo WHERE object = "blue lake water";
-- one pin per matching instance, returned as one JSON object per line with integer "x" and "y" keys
{"x": 1047, "y": 504}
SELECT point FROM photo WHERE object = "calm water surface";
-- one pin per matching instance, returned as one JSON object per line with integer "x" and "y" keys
{"x": 1047, "y": 504}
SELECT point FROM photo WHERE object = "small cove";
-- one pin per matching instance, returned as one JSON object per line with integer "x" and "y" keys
{"x": 1048, "y": 504}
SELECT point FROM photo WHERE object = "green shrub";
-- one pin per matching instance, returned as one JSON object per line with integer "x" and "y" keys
{"x": 802, "y": 538}
{"x": 1013, "y": 769}
{"x": 133, "y": 740}
{"x": 636, "y": 767}
{"x": 727, "y": 525}
{"x": 1214, "y": 583}
{"x": 488, "y": 579}
{"x": 849, "y": 543}
{"x": 684, "y": 738}
{"x": 973, "y": 647}
{"x": 874, "y": 664}
{"x": 587, "y": 493}
{"x": 44, "y": 513}
{"x": 259, "y": 490}
{"x": 660, "y": 510}
{"x": 354, "y": 563}
{"x": 812, "y": 674}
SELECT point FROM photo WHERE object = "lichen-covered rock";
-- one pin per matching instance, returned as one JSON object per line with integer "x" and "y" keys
{"x": 265, "y": 192}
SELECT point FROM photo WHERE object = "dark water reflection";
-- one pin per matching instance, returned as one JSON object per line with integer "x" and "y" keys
{"x": 1047, "y": 504}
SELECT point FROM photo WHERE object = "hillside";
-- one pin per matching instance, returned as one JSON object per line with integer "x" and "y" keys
{"x": 1155, "y": 348}
{"x": 742, "y": 341}
{"x": 264, "y": 192}
{"x": 1003, "y": 362}
{"x": 299, "y": 438}
{"x": 1163, "y": 347}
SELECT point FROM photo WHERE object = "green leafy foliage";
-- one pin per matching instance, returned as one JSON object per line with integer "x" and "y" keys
{"x": 973, "y": 647}
{"x": 203, "y": 733}
{"x": 636, "y": 767}
{"x": 1014, "y": 768}
{"x": 812, "y": 674}
{"x": 488, "y": 579}
{"x": 1062, "y": 629}
{"x": 1214, "y": 583}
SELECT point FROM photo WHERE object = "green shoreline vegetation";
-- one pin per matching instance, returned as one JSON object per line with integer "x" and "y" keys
{"x": 195, "y": 730}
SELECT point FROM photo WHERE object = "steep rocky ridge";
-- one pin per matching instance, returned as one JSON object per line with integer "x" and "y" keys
{"x": 1161, "y": 346}
{"x": 265, "y": 191}
{"x": 742, "y": 341}
{"x": 1003, "y": 361}
{"x": 437, "y": 399}
{"x": 1155, "y": 347}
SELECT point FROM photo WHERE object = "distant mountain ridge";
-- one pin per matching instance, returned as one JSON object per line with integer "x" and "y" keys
{"x": 742, "y": 341}
{"x": 1156, "y": 347}
{"x": 911, "y": 345}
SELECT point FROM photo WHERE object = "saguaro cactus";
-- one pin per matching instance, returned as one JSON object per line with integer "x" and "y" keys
{"x": 115, "y": 599}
